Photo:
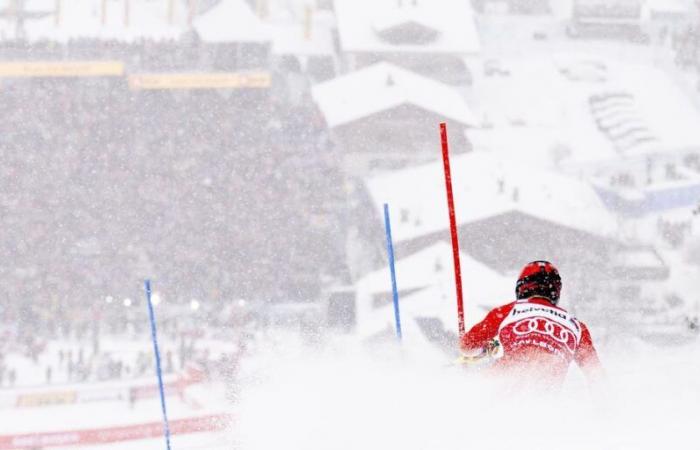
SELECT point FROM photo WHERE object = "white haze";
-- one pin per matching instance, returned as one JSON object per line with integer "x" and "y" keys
{"x": 256, "y": 210}
{"x": 350, "y": 398}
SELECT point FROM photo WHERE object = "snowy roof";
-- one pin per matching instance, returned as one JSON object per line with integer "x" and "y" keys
{"x": 675, "y": 7}
{"x": 291, "y": 38}
{"x": 384, "y": 86}
{"x": 417, "y": 196}
{"x": 402, "y": 16}
{"x": 669, "y": 111}
{"x": 431, "y": 265}
{"x": 639, "y": 257}
{"x": 360, "y": 23}
{"x": 431, "y": 273}
{"x": 231, "y": 21}
{"x": 563, "y": 117}
{"x": 83, "y": 19}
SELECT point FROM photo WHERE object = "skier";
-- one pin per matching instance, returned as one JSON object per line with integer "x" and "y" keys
{"x": 532, "y": 336}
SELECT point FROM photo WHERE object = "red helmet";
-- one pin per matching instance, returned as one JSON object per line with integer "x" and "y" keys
{"x": 539, "y": 279}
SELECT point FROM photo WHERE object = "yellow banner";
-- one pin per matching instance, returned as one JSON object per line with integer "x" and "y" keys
{"x": 62, "y": 69}
{"x": 46, "y": 398}
{"x": 222, "y": 80}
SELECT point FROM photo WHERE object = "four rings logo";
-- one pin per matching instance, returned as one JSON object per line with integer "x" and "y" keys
{"x": 547, "y": 327}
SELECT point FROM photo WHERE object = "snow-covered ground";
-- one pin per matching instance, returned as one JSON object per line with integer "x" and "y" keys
{"x": 344, "y": 397}
{"x": 93, "y": 415}
{"x": 198, "y": 418}
{"x": 344, "y": 394}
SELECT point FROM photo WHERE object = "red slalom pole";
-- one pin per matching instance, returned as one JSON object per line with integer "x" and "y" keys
{"x": 453, "y": 228}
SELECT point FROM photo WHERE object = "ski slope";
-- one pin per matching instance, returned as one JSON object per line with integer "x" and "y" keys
{"x": 348, "y": 395}
{"x": 394, "y": 397}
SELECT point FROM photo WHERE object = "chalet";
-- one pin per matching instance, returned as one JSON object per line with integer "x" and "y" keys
{"x": 235, "y": 38}
{"x": 507, "y": 214}
{"x": 427, "y": 291}
{"x": 386, "y": 116}
{"x": 431, "y": 37}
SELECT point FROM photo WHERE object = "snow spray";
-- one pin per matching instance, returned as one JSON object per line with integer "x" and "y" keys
{"x": 348, "y": 395}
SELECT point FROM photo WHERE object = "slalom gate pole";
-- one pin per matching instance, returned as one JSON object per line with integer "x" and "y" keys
{"x": 392, "y": 267}
{"x": 154, "y": 337}
{"x": 453, "y": 228}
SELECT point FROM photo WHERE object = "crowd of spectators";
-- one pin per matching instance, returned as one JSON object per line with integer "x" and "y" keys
{"x": 213, "y": 339}
{"x": 61, "y": 366}
{"x": 214, "y": 194}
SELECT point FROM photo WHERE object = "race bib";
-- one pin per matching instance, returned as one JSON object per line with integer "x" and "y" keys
{"x": 527, "y": 320}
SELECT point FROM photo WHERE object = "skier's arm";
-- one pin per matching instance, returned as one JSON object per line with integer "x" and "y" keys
{"x": 586, "y": 357}
{"x": 480, "y": 334}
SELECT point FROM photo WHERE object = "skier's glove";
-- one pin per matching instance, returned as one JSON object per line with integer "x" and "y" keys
{"x": 492, "y": 348}
{"x": 490, "y": 352}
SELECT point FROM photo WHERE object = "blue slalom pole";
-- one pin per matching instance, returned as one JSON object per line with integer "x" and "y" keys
{"x": 158, "y": 369}
{"x": 390, "y": 250}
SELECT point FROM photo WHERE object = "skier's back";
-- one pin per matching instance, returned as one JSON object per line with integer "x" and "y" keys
{"x": 532, "y": 336}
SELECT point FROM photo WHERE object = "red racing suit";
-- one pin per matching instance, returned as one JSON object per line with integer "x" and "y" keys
{"x": 537, "y": 337}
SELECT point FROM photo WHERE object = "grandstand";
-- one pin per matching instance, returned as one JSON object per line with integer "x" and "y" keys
{"x": 199, "y": 122}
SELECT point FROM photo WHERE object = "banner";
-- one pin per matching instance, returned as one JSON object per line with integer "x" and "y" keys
{"x": 151, "y": 391}
{"x": 221, "y": 80}
{"x": 114, "y": 434}
{"x": 46, "y": 398}
{"x": 103, "y": 395}
{"x": 51, "y": 69}
{"x": 100, "y": 392}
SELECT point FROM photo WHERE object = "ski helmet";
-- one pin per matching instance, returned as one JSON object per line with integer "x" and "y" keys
{"x": 539, "y": 279}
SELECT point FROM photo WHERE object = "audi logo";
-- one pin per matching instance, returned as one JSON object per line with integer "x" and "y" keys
{"x": 546, "y": 327}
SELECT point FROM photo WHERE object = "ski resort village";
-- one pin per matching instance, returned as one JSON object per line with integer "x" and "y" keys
{"x": 349, "y": 224}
